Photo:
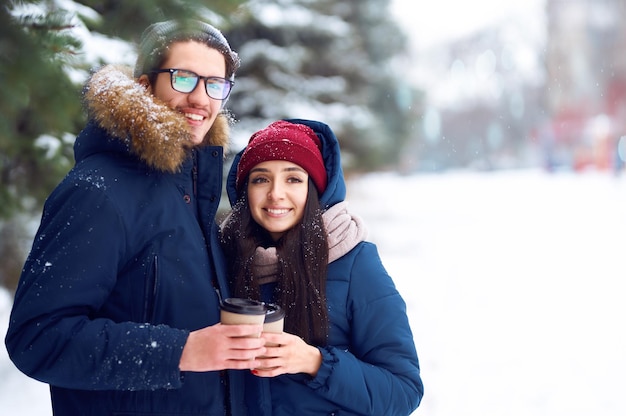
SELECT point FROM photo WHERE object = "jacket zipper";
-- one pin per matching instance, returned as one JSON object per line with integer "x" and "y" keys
{"x": 151, "y": 289}
{"x": 194, "y": 174}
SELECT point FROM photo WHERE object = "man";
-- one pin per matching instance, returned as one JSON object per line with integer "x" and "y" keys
{"x": 118, "y": 303}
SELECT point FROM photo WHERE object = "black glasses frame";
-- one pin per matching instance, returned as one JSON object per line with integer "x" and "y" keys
{"x": 223, "y": 81}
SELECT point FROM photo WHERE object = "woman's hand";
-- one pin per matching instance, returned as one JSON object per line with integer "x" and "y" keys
{"x": 287, "y": 354}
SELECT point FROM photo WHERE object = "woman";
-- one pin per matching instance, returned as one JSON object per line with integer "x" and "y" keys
{"x": 347, "y": 348}
{"x": 118, "y": 303}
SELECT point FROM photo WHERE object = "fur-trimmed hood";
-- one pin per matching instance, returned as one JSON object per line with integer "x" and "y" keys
{"x": 154, "y": 132}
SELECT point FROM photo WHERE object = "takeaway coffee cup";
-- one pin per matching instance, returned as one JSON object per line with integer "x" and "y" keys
{"x": 236, "y": 311}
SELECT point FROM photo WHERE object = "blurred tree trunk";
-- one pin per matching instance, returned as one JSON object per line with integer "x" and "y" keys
{"x": 15, "y": 240}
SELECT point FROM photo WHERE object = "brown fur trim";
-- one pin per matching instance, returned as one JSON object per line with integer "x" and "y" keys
{"x": 219, "y": 133}
{"x": 157, "y": 134}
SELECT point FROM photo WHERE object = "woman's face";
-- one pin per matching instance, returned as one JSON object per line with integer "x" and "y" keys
{"x": 277, "y": 193}
{"x": 199, "y": 109}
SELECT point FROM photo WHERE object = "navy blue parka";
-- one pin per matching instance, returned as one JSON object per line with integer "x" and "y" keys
{"x": 125, "y": 264}
{"x": 370, "y": 364}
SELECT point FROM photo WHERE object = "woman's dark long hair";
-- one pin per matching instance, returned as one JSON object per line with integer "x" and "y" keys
{"x": 302, "y": 264}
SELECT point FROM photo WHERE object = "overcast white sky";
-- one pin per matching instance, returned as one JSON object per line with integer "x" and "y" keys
{"x": 428, "y": 22}
{"x": 431, "y": 24}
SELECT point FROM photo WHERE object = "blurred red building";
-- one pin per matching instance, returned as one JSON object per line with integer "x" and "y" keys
{"x": 586, "y": 81}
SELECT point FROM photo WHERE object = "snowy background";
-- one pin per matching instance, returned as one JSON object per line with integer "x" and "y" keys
{"x": 514, "y": 286}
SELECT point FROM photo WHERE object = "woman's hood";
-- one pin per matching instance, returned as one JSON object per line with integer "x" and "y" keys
{"x": 157, "y": 134}
{"x": 335, "y": 189}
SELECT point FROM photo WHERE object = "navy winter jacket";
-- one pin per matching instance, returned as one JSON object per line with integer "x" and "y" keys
{"x": 125, "y": 264}
{"x": 370, "y": 365}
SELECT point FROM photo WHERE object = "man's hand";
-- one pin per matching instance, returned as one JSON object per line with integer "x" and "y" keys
{"x": 221, "y": 347}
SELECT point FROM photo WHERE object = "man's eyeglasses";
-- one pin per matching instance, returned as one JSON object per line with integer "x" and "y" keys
{"x": 186, "y": 81}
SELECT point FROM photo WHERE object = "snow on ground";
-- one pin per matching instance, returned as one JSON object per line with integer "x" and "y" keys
{"x": 513, "y": 287}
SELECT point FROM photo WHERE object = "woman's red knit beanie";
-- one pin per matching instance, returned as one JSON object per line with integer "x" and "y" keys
{"x": 283, "y": 140}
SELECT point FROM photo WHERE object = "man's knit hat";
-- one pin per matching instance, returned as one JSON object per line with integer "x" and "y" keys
{"x": 283, "y": 140}
{"x": 157, "y": 38}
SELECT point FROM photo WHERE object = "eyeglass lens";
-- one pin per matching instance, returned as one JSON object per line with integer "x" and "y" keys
{"x": 186, "y": 82}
